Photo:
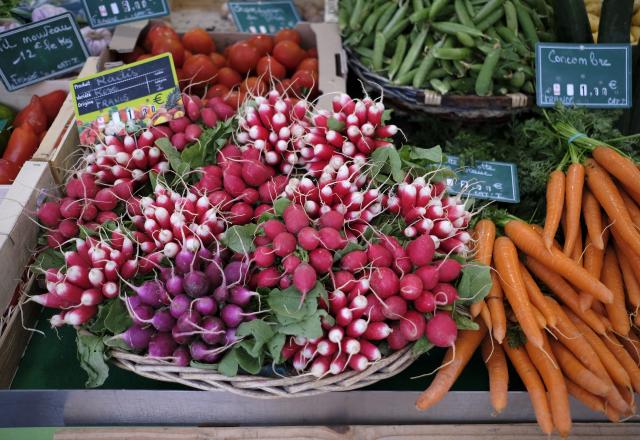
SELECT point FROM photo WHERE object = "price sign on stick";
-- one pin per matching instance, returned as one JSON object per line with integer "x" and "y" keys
{"x": 485, "y": 180}
{"x": 264, "y": 17}
{"x": 583, "y": 75}
{"x": 40, "y": 50}
{"x": 143, "y": 93}
{"x": 110, "y": 13}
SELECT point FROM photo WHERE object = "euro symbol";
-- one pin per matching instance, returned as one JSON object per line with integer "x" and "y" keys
{"x": 613, "y": 84}
{"x": 158, "y": 99}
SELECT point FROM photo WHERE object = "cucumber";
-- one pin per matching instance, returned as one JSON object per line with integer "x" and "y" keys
{"x": 615, "y": 21}
{"x": 574, "y": 26}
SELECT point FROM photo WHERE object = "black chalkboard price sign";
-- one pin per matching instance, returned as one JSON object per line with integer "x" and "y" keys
{"x": 110, "y": 13}
{"x": 40, "y": 50}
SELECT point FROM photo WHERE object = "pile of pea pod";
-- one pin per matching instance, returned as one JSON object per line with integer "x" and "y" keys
{"x": 465, "y": 47}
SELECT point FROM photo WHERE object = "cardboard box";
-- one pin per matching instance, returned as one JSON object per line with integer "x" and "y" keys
{"x": 18, "y": 229}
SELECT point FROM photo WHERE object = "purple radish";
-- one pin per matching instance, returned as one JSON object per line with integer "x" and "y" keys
{"x": 141, "y": 314}
{"x": 235, "y": 272}
{"x": 202, "y": 352}
{"x": 174, "y": 285}
{"x": 163, "y": 321}
{"x": 221, "y": 294}
{"x": 136, "y": 337}
{"x": 232, "y": 315}
{"x": 241, "y": 296}
{"x": 181, "y": 357}
{"x": 161, "y": 345}
{"x": 196, "y": 284}
{"x": 214, "y": 330}
{"x": 230, "y": 336}
{"x": 189, "y": 321}
{"x": 214, "y": 273}
{"x": 153, "y": 293}
{"x": 184, "y": 261}
{"x": 181, "y": 337}
{"x": 206, "y": 305}
{"x": 179, "y": 305}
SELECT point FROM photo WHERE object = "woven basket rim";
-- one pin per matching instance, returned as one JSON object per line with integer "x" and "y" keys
{"x": 464, "y": 106}
{"x": 264, "y": 387}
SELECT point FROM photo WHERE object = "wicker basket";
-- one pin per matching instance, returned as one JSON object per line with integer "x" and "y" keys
{"x": 260, "y": 386}
{"x": 470, "y": 107}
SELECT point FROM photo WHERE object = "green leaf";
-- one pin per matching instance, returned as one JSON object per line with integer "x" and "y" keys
{"x": 275, "y": 347}
{"x": 92, "y": 358}
{"x": 153, "y": 179}
{"x": 421, "y": 346}
{"x": 335, "y": 125}
{"x": 115, "y": 342}
{"x": 240, "y": 238}
{"x": 475, "y": 283}
{"x": 310, "y": 328}
{"x": 515, "y": 336}
{"x": 229, "y": 364}
{"x": 429, "y": 154}
{"x": 463, "y": 322}
{"x": 194, "y": 155}
{"x": 49, "y": 258}
{"x": 86, "y": 232}
{"x": 280, "y": 205}
{"x": 261, "y": 332}
{"x": 98, "y": 325}
{"x": 203, "y": 366}
{"x": 386, "y": 161}
{"x": 117, "y": 319}
{"x": 247, "y": 362}
{"x": 173, "y": 156}
{"x": 386, "y": 115}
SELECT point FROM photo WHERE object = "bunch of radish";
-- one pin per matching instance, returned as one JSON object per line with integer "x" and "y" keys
{"x": 192, "y": 311}
{"x": 427, "y": 209}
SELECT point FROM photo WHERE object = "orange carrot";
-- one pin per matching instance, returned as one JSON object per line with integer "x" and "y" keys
{"x": 621, "y": 167}
{"x": 626, "y": 250}
{"x": 627, "y": 395}
{"x": 542, "y": 323}
{"x": 466, "y": 344}
{"x": 536, "y": 297}
{"x": 632, "y": 287}
{"x": 506, "y": 261}
{"x": 494, "y": 358}
{"x": 604, "y": 189}
{"x": 555, "y": 204}
{"x": 484, "y": 234}
{"x": 625, "y": 359}
{"x": 589, "y": 400}
{"x": 573, "y": 202}
{"x": 485, "y": 315}
{"x": 529, "y": 242}
{"x": 593, "y": 219}
{"x": 532, "y": 381}
{"x": 565, "y": 292}
{"x": 593, "y": 260}
{"x": 495, "y": 304}
{"x": 634, "y": 210}
{"x": 546, "y": 365}
{"x": 577, "y": 253}
{"x": 612, "y": 278}
{"x": 577, "y": 372}
{"x": 632, "y": 345}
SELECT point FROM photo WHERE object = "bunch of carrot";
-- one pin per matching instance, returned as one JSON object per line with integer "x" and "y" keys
{"x": 583, "y": 292}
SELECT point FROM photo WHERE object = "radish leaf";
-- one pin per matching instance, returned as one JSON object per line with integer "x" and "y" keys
{"x": 421, "y": 346}
{"x": 240, "y": 238}
{"x": 463, "y": 322}
{"x": 475, "y": 283}
{"x": 92, "y": 358}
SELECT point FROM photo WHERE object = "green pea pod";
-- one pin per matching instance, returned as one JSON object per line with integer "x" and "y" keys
{"x": 398, "y": 55}
{"x": 511, "y": 16}
{"x": 343, "y": 17}
{"x": 437, "y": 73}
{"x": 471, "y": 10}
{"x": 446, "y": 53}
{"x": 529, "y": 88}
{"x": 509, "y": 37}
{"x": 397, "y": 17}
{"x": 491, "y": 32}
{"x": 368, "y": 40}
{"x": 419, "y": 15}
{"x": 406, "y": 78}
{"x": 462, "y": 14}
{"x": 355, "y": 21}
{"x": 518, "y": 79}
{"x": 436, "y": 8}
{"x": 413, "y": 53}
{"x": 373, "y": 18}
{"x": 526, "y": 24}
{"x": 451, "y": 28}
{"x": 460, "y": 68}
{"x": 386, "y": 16}
{"x": 492, "y": 19}
{"x": 441, "y": 86}
{"x": 364, "y": 51}
{"x": 465, "y": 39}
{"x": 354, "y": 39}
{"x": 483, "y": 82}
{"x": 378, "y": 50}
{"x": 463, "y": 85}
{"x": 489, "y": 8}
{"x": 425, "y": 66}
{"x": 396, "y": 30}
{"x": 417, "y": 5}
{"x": 509, "y": 55}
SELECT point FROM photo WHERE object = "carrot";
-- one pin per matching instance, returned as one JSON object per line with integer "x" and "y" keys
{"x": 484, "y": 234}
{"x": 604, "y": 189}
{"x": 494, "y": 358}
{"x": 627, "y": 395}
{"x": 612, "y": 278}
{"x": 577, "y": 372}
{"x": 536, "y": 297}
{"x": 485, "y": 315}
{"x": 632, "y": 287}
{"x": 632, "y": 345}
{"x": 539, "y": 317}
{"x": 555, "y": 205}
{"x": 546, "y": 365}
{"x": 505, "y": 256}
{"x": 466, "y": 344}
{"x": 625, "y": 359}
{"x": 529, "y": 242}
{"x": 626, "y": 250}
{"x": 593, "y": 219}
{"x": 593, "y": 259}
{"x": 621, "y": 167}
{"x": 495, "y": 304}
{"x": 573, "y": 202}
{"x": 579, "y": 339}
{"x": 565, "y": 292}
{"x": 589, "y": 400}
{"x": 577, "y": 253}
{"x": 476, "y": 308}
{"x": 633, "y": 209}
{"x": 532, "y": 381}
{"x": 612, "y": 367}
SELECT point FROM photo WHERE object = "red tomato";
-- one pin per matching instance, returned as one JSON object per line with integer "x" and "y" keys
{"x": 159, "y": 32}
{"x": 304, "y": 83}
{"x": 312, "y": 53}
{"x": 199, "y": 69}
{"x": 219, "y": 90}
{"x": 288, "y": 53}
{"x": 283, "y": 87}
{"x": 254, "y": 86}
{"x": 243, "y": 57}
{"x": 8, "y": 171}
{"x": 218, "y": 59}
{"x": 234, "y": 98}
{"x": 228, "y": 77}
{"x": 269, "y": 67}
{"x": 33, "y": 114}
{"x": 22, "y": 144}
{"x": 172, "y": 46}
{"x": 287, "y": 35}
{"x": 264, "y": 43}
{"x": 310, "y": 64}
{"x": 197, "y": 40}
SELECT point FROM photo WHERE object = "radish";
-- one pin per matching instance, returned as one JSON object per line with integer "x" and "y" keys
{"x": 394, "y": 307}
{"x": 181, "y": 357}
{"x": 343, "y": 316}
{"x": 161, "y": 345}
{"x": 264, "y": 256}
{"x": 377, "y": 331}
{"x": 384, "y": 282}
{"x": 449, "y": 270}
{"x": 69, "y": 208}
{"x": 80, "y": 315}
{"x": 350, "y": 345}
{"x": 337, "y": 300}
{"x": 410, "y": 287}
{"x": 343, "y": 280}
{"x": 321, "y": 260}
{"x": 214, "y": 330}
{"x": 241, "y": 296}
{"x": 356, "y": 328}
{"x": 105, "y": 200}
{"x": 196, "y": 284}
{"x": 370, "y": 351}
{"x": 354, "y": 261}
{"x": 235, "y": 271}
{"x": 441, "y": 330}
{"x": 273, "y": 227}
{"x": 320, "y": 366}
{"x": 136, "y": 337}
{"x": 284, "y": 244}
{"x": 295, "y": 218}
{"x": 445, "y": 293}
{"x": 331, "y": 239}
{"x": 304, "y": 278}
{"x": 232, "y": 315}
{"x": 308, "y": 238}
{"x": 152, "y": 293}
{"x": 255, "y": 173}
{"x": 421, "y": 251}
{"x": 179, "y": 305}
{"x": 412, "y": 327}
{"x": 429, "y": 275}
{"x": 268, "y": 277}
{"x": 49, "y": 214}
{"x": 358, "y": 362}
{"x": 396, "y": 339}
{"x": 379, "y": 256}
